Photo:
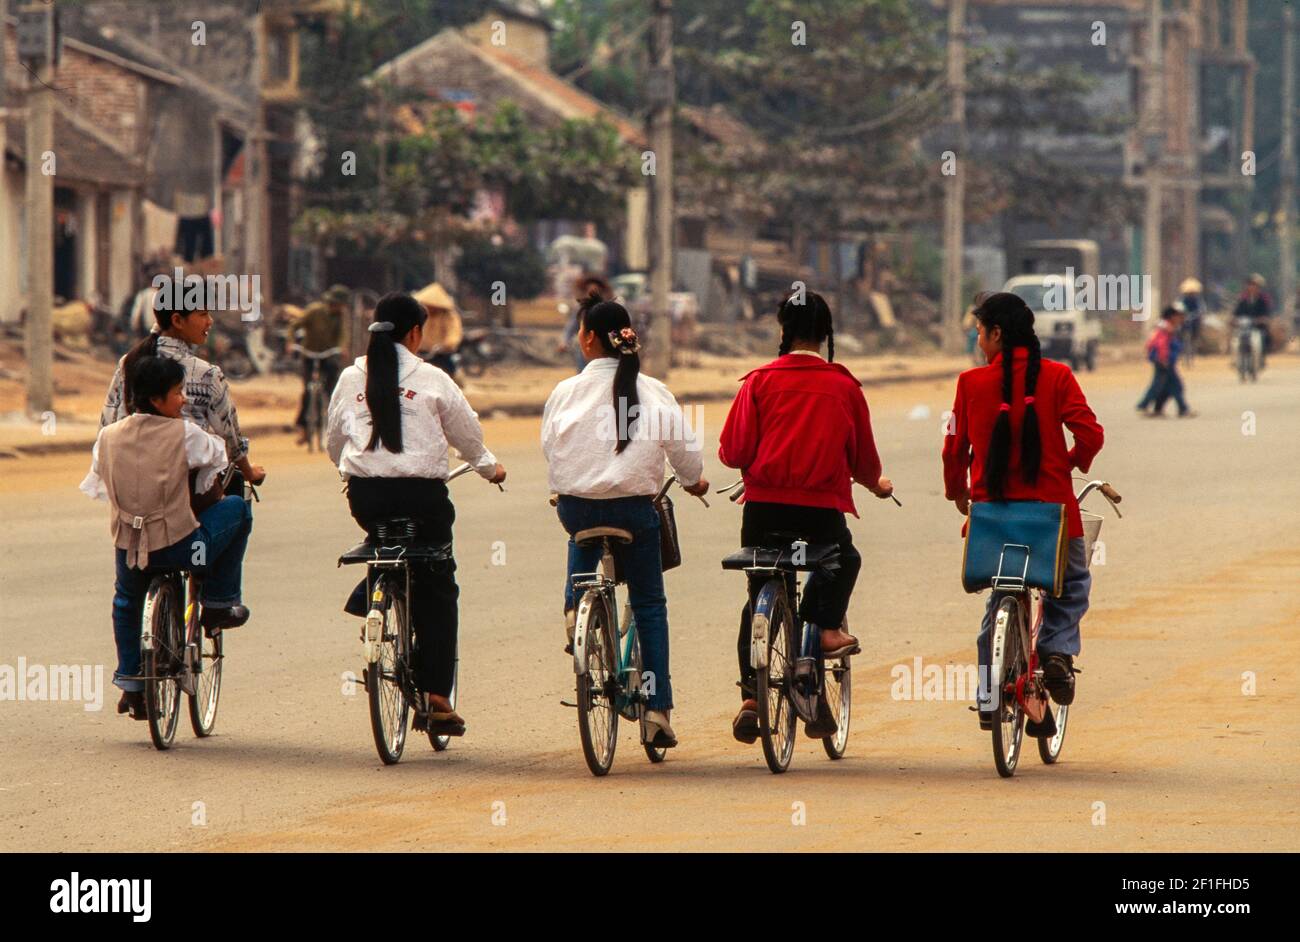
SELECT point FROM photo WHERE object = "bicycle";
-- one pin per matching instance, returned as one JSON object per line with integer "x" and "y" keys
{"x": 1017, "y": 677}
{"x": 1248, "y": 348}
{"x": 793, "y": 682}
{"x": 176, "y": 655}
{"x": 317, "y": 407}
{"x": 607, "y": 654}
{"x": 388, "y": 634}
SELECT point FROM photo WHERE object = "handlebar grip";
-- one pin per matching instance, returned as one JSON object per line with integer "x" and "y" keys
{"x": 1111, "y": 493}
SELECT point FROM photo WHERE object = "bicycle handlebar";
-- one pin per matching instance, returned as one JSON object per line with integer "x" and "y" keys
{"x": 739, "y": 488}
{"x": 321, "y": 355}
{"x": 466, "y": 468}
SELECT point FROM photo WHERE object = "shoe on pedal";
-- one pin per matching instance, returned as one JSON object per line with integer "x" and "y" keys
{"x": 745, "y": 726}
{"x": 221, "y": 619}
{"x": 986, "y": 719}
{"x": 1058, "y": 677}
{"x": 657, "y": 730}
{"x": 133, "y": 702}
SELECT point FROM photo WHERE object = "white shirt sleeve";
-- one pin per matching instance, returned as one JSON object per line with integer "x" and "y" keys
{"x": 206, "y": 453}
{"x": 92, "y": 485}
{"x": 683, "y": 450}
{"x": 461, "y": 426}
{"x": 548, "y": 439}
{"x": 336, "y": 435}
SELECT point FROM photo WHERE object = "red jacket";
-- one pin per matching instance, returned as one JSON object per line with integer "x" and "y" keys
{"x": 800, "y": 433}
{"x": 1059, "y": 403}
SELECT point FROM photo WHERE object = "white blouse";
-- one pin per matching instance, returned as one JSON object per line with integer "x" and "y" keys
{"x": 580, "y": 431}
{"x": 435, "y": 417}
{"x": 203, "y": 451}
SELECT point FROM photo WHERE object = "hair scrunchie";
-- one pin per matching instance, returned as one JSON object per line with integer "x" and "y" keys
{"x": 1005, "y": 407}
{"x": 381, "y": 327}
{"x": 625, "y": 341}
{"x": 1029, "y": 400}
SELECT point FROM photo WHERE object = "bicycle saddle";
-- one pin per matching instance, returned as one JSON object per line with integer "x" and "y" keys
{"x": 594, "y": 535}
{"x": 396, "y": 538}
{"x": 815, "y": 556}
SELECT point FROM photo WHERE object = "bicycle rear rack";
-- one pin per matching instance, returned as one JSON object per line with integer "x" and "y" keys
{"x": 1011, "y": 583}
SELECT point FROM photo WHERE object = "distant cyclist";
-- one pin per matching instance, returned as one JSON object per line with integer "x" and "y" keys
{"x": 1256, "y": 306}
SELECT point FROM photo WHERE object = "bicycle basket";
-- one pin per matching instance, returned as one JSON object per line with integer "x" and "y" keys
{"x": 1091, "y": 530}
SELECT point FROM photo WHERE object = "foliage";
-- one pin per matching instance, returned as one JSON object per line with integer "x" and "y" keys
{"x": 485, "y": 261}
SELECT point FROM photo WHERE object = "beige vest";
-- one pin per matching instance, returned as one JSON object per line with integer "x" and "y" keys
{"x": 142, "y": 464}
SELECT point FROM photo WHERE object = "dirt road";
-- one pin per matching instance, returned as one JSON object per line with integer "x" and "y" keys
{"x": 1185, "y": 736}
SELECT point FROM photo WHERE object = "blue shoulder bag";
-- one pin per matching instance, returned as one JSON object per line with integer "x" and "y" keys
{"x": 1013, "y": 545}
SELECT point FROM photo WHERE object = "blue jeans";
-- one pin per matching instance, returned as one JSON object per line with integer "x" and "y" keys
{"x": 641, "y": 566}
{"x": 1059, "y": 633}
{"x": 223, "y": 534}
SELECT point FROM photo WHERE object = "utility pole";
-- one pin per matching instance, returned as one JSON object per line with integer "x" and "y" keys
{"x": 954, "y": 194}
{"x": 37, "y": 48}
{"x": 662, "y": 96}
{"x": 1153, "y": 130}
{"x": 1286, "y": 225}
{"x": 7, "y": 259}
{"x": 257, "y": 220}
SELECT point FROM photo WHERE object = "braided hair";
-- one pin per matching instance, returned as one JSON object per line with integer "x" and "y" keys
{"x": 808, "y": 321}
{"x": 612, "y": 325}
{"x": 1010, "y": 313}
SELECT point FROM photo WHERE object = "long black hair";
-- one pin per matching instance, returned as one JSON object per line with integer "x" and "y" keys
{"x": 610, "y": 322}
{"x": 1010, "y": 313}
{"x": 809, "y": 321}
{"x": 396, "y": 315}
{"x": 148, "y": 347}
{"x": 151, "y": 377}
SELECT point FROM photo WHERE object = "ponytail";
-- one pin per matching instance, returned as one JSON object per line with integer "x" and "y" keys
{"x": 809, "y": 321}
{"x": 612, "y": 325}
{"x": 396, "y": 315}
{"x": 145, "y": 349}
{"x": 1016, "y": 321}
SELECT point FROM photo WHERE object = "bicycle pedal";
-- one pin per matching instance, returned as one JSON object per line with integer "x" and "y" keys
{"x": 566, "y": 703}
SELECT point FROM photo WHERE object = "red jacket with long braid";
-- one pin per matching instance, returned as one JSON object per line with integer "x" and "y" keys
{"x": 1059, "y": 403}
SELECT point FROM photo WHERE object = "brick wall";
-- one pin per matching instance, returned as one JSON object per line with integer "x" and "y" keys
{"x": 108, "y": 96}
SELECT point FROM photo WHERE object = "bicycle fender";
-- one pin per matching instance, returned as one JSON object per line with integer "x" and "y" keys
{"x": 998, "y": 650}
{"x": 760, "y": 625}
{"x": 146, "y": 618}
{"x": 580, "y": 632}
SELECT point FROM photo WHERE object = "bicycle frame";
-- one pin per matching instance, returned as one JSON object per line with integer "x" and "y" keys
{"x": 598, "y": 588}
{"x": 187, "y": 587}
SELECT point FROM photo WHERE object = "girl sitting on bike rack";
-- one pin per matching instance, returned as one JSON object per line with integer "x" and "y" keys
{"x": 392, "y": 419}
{"x": 605, "y": 434}
{"x": 800, "y": 432}
{"x": 142, "y": 466}
{"x": 207, "y": 395}
{"x": 1006, "y": 441}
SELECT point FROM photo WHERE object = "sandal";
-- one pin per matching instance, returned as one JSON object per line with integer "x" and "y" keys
{"x": 745, "y": 726}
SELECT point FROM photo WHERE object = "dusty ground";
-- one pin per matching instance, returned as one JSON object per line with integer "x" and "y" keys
{"x": 1166, "y": 750}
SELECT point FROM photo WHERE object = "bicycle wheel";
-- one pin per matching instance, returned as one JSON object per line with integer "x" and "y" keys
{"x": 313, "y": 417}
{"x": 635, "y": 667}
{"x": 161, "y": 658}
{"x": 440, "y": 743}
{"x": 207, "y": 686}
{"x": 838, "y": 686}
{"x": 776, "y": 716}
{"x": 1008, "y": 663}
{"x": 597, "y": 688}
{"x": 389, "y": 708}
{"x": 1049, "y": 748}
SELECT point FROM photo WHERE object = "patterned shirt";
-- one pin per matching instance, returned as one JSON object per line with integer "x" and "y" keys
{"x": 207, "y": 397}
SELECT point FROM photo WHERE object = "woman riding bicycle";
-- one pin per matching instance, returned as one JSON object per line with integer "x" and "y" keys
{"x": 207, "y": 395}
{"x": 392, "y": 419}
{"x": 800, "y": 432}
{"x": 1006, "y": 441}
{"x": 142, "y": 466}
{"x": 605, "y": 434}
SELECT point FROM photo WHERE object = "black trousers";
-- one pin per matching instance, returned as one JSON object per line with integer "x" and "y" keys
{"x": 434, "y": 593}
{"x": 826, "y": 596}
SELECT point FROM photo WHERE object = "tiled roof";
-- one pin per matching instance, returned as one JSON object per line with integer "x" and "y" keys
{"x": 80, "y": 157}
{"x": 450, "y": 61}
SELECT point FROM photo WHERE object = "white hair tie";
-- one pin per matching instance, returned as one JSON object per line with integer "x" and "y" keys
{"x": 381, "y": 327}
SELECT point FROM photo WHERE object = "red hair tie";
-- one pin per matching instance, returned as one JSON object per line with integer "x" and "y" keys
{"x": 1029, "y": 400}
{"x": 1005, "y": 407}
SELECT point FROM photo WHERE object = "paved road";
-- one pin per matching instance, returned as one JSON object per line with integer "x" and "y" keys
{"x": 1165, "y": 751}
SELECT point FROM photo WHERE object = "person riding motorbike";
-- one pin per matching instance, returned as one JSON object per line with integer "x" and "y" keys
{"x": 1256, "y": 306}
